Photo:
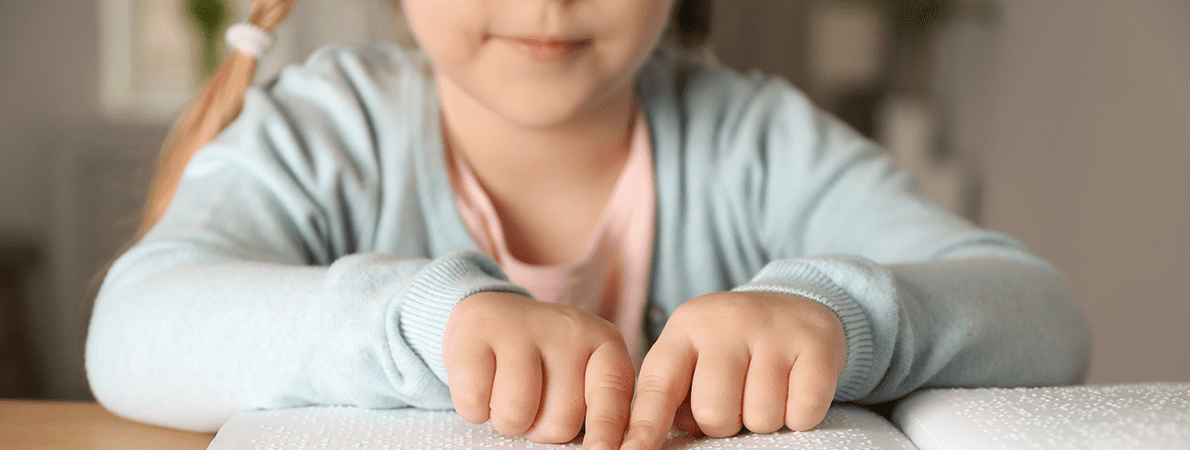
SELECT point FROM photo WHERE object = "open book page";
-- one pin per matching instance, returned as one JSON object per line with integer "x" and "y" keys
{"x": 845, "y": 427}
{"x": 1129, "y": 416}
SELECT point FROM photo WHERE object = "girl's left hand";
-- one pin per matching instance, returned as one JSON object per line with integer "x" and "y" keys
{"x": 760, "y": 360}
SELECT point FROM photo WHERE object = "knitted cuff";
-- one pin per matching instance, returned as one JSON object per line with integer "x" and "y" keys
{"x": 435, "y": 292}
{"x": 804, "y": 279}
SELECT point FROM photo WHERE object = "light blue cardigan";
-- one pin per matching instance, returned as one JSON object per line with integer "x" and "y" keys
{"x": 313, "y": 252}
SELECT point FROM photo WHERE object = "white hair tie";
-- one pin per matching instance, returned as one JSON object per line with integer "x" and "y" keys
{"x": 249, "y": 38}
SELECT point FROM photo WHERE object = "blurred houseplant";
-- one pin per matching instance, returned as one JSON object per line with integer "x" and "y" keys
{"x": 211, "y": 18}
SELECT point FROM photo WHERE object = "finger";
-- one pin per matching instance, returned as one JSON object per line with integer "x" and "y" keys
{"x": 717, "y": 392}
{"x": 811, "y": 389}
{"x": 765, "y": 392}
{"x": 516, "y": 390}
{"x": 560, "y": 416}
{"x": 663, "y": 383}
{"x": 684, "y": 420}
{"x": 609, "y": 383}
{"x": 471, "y": 369}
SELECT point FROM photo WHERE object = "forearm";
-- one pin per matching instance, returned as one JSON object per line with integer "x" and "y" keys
{"x": 189, "y": 344}
{"x": 984, "y": 321}
{"x": 1000, "y": 319}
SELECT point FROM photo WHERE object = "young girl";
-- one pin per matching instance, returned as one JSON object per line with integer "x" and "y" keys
{"x": 350, "y": 238}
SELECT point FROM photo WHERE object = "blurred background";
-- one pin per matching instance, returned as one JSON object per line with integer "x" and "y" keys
{"x": 1065, "y": 123}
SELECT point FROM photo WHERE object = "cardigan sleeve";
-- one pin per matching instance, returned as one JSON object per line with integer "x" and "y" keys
{"x": 926, "y": 298}
{"x": 256, "y": 289}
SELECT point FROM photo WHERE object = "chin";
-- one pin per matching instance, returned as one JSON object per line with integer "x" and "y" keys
{"x": 553, "y": 105}
{"x": 542, "y": 110}
{"x": 542, "y": 116}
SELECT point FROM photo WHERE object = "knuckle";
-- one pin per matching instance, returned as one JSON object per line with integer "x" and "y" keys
{"x": 652, "y": 384}
{"x": 617, "y": 385}
{"x": 724, "y": 309}
{"x": 574, "y": 326}
{"x": 809, "y": 402}
{"x": 812, "y": 398}
{"x": 821, "y": 324}
{"x": 645, "y": 429}
{"x": 605, "y": 422}
{"x": 571, "y": 318}
{"x": 825, "y": 330}
{"x": 685, "y": 313}
{"x": 608, "y": 332}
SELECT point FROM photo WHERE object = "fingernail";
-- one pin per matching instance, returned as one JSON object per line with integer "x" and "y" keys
{"x": 634, "y": 444}
{"x": 601, "y": 446}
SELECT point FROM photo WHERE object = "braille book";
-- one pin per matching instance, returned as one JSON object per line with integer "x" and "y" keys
{"x": 1134, "y": 416}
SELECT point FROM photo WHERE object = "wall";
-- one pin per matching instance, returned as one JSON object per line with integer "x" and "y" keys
{"x": 1087, "y": 160}
{"x": 47, "y": 83}
{"x": 1077, "y": 115}
{"x": 48, "y": 76}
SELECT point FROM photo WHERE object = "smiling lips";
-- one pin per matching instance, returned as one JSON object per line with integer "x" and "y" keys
{"x": 547, "y": 49}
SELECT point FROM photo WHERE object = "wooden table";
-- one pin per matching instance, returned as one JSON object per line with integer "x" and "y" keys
{"x": 42, "y": 425}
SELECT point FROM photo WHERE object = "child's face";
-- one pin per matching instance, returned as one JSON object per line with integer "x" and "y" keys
{"x": 538, "y": 62}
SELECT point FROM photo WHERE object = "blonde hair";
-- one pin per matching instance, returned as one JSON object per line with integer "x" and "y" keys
{"x": 215, "y": 106}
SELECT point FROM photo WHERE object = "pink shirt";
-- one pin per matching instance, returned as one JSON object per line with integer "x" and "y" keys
{"x": 612, "y": 277}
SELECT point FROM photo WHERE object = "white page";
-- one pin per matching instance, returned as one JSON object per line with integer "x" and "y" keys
{"x": 845, "y": 427}
{"x": 1150, "y": 416}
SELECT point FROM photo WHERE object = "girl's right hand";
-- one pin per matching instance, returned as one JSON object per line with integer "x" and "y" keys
{"x": 538, "y": 369}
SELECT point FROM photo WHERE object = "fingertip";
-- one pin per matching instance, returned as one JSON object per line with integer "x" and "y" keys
{"x": 474, "y": 416}
{"x": 812, "y": 387}
{"x": 600, "y": 446}
{"x": 806, "y": 419}
{"x": 633, "y": 444}
{"x": 803, "y": 424}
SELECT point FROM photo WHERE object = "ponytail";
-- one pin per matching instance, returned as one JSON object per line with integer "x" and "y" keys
{"x": 215, "y": 106}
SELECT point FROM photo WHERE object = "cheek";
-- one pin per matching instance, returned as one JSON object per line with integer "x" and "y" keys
{"x": 445, "y": 29}
{"x": 655, "y": 16}
{"x": 636, "y": 26}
